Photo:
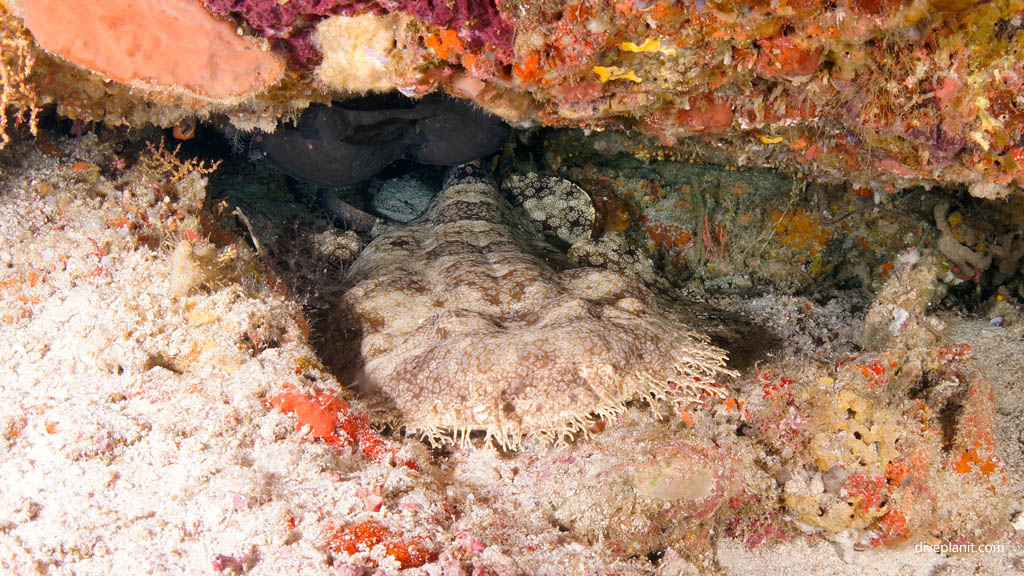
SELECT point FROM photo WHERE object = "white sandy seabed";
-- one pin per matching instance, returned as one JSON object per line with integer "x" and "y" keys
{"x": 135, "y": 436}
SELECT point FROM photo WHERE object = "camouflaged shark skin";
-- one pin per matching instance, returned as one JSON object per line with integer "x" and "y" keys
{"x": 466, "y": 321}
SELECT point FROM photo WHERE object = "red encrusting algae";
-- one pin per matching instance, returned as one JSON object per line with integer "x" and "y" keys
{"x": 329, "y": 418}
{"x": 364, "y": 536}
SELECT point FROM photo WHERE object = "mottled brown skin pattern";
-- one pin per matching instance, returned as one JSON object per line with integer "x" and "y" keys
{"x": 465, "y": 321}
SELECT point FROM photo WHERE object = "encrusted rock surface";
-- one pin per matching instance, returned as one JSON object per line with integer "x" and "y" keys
{"x": 889, "y": 94}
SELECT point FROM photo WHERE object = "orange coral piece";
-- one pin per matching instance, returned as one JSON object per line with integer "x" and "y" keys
{"x": 705, "y": 113}
{"x": 1017, "y": 154}
{"x": 665, "y": 235}
{"x": 318, "y": 411}
{"x": 686, "y": 418}
{"x": 893, "y": 527}
{"x": 357, "y": 427}
{"x": 769, "y": 388}
{"x": 896, "y": 472}
{"x": 661, "y": 10}
{"x": 978, "y": 458}
{"x": 410, "y": 553}
{"x": 868, "y": 489}
{"x": 445, "y": 44}
{"x": 326, "y": 415}
{"x": 529, "y": 69}
{"x": 798, "y": 230}
{"x": 784, "y": 57}
{"x": 975, "y": 449}
{"x": 169, "y": 44}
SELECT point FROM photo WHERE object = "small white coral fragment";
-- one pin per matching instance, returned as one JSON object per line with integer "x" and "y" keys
{"x": 899, "y": 316}
{"x": 989, "y": 190}
{"x": 969, "y": 261}
{"x": 191, "y": 266}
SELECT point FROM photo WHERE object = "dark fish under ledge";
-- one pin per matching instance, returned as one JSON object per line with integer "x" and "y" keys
{"x": 345, "y": 143}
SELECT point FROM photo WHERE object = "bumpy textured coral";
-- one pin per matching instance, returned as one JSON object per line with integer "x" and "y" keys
{"x": 356, "y": 71}
{"x": 478, "y": 22}
{"x": 465, "y": 321}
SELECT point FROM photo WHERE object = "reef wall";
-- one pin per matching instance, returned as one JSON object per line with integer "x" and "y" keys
{"x": 885, "y": 94}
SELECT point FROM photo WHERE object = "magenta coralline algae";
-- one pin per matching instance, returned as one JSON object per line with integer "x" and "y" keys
{"x": 478, "y": 22}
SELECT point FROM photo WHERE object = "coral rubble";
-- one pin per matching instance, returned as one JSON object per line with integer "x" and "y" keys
{"x": 145, "y": 338}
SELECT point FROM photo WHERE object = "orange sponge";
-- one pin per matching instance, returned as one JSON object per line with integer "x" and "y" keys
{"x": 166, "y": 44}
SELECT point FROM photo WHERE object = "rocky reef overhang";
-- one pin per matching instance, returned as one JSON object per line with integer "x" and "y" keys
{"x": 884, "y": 94}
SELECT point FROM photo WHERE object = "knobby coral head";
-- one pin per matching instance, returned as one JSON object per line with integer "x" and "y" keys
{"x": 465, "y": 321}
{"x": 478, "y": 22}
